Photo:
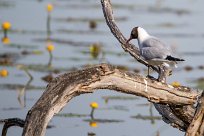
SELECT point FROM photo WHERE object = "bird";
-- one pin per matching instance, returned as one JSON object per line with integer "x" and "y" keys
{"x": 152, "y": 49}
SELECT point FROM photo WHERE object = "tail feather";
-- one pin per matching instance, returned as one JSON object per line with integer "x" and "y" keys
{"x": 173, "y": 58}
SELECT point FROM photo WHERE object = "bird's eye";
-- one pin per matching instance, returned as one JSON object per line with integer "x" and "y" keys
{"x": 132, "y": 35}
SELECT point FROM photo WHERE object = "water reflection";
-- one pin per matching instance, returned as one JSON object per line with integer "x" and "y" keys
{"x": 119, "y": 97}
{"x": 93, "y": 124}
{"x": 158, "y": 4}
{"x": 92, "y": 120}
{"x": 199, "y": 83}
{"x": 91, "y": 134}
{"x": 150, "y": 117}
{"x": 4, "y": 73}
{"x": 5, "y": 40}
{"x": 6, "y": 26}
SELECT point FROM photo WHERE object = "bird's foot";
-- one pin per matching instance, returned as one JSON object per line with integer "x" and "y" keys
{"x": 170, "y": 73}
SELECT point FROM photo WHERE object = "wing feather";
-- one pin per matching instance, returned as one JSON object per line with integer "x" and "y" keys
{"x": 153, "y": 48}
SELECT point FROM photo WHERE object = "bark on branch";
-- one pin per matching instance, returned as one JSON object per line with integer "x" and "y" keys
{"x": 9, "y": 123}
{"x": 196, "y": 127}
{"x": 63, "y": 88}
{"x": 130, "y": 48}
{"x": 171, "y": 114}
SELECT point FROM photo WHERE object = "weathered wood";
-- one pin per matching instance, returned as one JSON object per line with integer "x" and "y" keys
{"x": 165, "y": 110}
{"x": 130, "y": 48}
{"x": 196, "y": 127}
{"x": 63, "y": 88}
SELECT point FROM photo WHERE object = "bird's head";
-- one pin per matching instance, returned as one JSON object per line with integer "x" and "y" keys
{"x": 134, "y": 34}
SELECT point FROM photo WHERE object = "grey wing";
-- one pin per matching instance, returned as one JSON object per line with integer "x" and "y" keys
{"x": 154, "y": 49}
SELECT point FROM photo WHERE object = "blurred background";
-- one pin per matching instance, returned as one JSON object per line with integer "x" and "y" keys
{"x": 41, "y": 39}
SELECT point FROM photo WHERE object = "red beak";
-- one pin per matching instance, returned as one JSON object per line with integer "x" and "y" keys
{"x": 128, "y": 40}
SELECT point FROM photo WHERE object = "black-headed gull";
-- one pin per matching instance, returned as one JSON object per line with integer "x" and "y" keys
{"x": 152, "y": 50}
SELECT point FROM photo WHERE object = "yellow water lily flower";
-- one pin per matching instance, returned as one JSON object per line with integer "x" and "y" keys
{"x": 6, "y": 25}
{"x": 175, "y": 84}
{"x": 49, "y": 7}
{"x": 50, "y": 47}
{"x": 94, "y": 105}
{"x": 93, "y": 124}
{"x": 5, "y": 40}
{"x": 3, "y": 73}
{"x": 95, "y": 49}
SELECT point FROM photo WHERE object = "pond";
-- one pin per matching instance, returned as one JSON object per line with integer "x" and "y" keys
{"x": 73, "y": 35}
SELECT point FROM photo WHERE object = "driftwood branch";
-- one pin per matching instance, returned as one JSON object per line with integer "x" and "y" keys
{"x": 63, "y": 88}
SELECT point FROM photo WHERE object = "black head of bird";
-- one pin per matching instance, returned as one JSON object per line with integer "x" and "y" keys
{"x": 133, "y": 35}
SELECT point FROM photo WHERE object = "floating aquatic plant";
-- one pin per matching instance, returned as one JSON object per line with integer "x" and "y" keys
{"x": 5, "y": 40}
{"x": 95, "y": 50}
{"x": 92, "y": 24}
{"x": 93, "y": 124}
{"x": 4, "y": 73}
{"x": 50, "y": 47}
{"x": 6, "y": 26}
{"x": 93, "y": 105}
{"x": 49, "y": 7}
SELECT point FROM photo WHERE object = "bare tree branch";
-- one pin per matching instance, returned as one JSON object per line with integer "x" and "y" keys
{"x": 11, "y": 122}
{"x": 169, "y": 113}
{"x": 63, "y": 88}
{"x": 132, "y": 49}
{"x": 196, "y": 127}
